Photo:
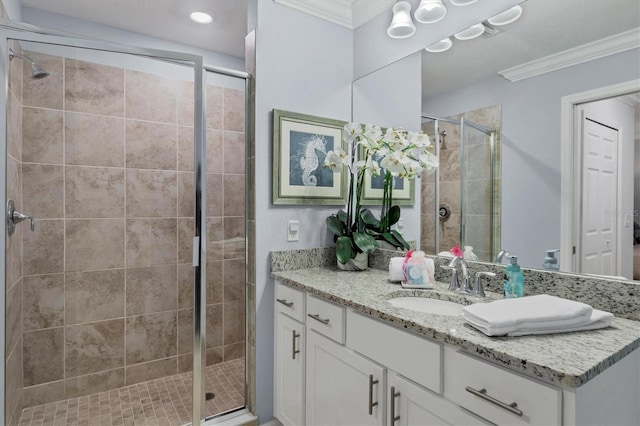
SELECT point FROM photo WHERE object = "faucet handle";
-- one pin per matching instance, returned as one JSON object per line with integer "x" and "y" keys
{"x": 478, "y": 290}
{"x": 453, "y": 284}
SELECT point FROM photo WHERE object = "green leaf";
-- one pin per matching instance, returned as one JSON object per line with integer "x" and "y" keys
{"x": 388, "y": 237}
{"x": 343, "y": 249}
{"x": 403, "y": 242}
{"x": 365, "y": 242}
{"x": 368, "y": 218}
{"x": 373, "y": 232}
{"x": 335, "y": 226}
{"x": 342, "y": 215}
{"x": 393, "y": 215}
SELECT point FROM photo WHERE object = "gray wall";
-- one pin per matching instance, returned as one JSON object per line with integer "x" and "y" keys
{"x": 531, "y": 143}
{"x": 304, "y": 64}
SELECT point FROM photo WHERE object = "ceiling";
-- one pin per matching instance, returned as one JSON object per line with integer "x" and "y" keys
{"x": 169, "y": 19}
{"x": 164, "y": 19}
{"x": 545, "y": 27}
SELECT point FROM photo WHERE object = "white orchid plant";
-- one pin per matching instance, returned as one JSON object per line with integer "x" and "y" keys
{"x": 401, "y": 154}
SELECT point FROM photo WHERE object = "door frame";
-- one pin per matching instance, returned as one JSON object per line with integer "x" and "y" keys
{"x": 570, "y": 184}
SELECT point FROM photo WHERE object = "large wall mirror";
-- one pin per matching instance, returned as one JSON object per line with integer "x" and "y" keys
{"x": 515, "y": 80}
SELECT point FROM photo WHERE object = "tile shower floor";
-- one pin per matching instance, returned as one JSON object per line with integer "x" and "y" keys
{"x": 159, "y": 402}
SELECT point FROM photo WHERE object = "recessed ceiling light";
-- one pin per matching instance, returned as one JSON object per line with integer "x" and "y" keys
{"x": 201, "y": 18}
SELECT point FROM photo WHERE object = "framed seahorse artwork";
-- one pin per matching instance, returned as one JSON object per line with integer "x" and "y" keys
{"x": 300, "y": 145}
{"x": 403, "y": 190}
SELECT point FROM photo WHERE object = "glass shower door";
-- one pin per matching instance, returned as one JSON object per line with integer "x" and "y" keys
{"x": 100, "y": 152}
{"x": 226, "y": 233}
{"x": 477, "y": 189}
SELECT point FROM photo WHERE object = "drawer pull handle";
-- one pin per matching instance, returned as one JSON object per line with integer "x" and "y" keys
{"x": 285, "y": 303}
{"x": 317, "y": 318}
{"x": 394, "y": 395}
{"x": 294, "y": 351}
{"x": 371, "y": 403}
{"x": 482, "y": 393}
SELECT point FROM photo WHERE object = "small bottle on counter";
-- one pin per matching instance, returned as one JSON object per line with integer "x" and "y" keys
{"x": 550, "y": 262}
{"x": 513, "y": 279}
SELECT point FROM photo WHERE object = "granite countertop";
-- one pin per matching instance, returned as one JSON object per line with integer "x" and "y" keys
{"x": 569, "y": 359}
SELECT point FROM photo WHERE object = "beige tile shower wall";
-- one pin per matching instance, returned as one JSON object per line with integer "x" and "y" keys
{"x": 14, "y": 257}
{"x": 108, "y": 173}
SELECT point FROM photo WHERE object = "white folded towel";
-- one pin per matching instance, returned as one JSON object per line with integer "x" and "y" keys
{"x": 599, "y": 319}
{"x": 539, "y": 314}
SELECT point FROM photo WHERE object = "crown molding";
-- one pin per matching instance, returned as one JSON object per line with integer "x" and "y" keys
{"x": 588, "y": 52}
{"x": 365, "y": 10}
{"x": 347, "y": 13}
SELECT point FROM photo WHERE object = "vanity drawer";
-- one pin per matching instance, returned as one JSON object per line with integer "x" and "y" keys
{"x": 290, "y": 301}
{"x": 410, "y": 355}
{"x": 325, "y": 318}
{"x": 488, "y": 391}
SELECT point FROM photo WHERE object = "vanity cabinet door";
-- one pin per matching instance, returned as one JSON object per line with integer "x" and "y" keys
{"x": 410, "y": 404}
{"x": 343, "y": 388}
{"x": 289, "y": 370}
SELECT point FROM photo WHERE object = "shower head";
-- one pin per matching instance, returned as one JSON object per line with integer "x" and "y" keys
{"x": 36, "y": 70}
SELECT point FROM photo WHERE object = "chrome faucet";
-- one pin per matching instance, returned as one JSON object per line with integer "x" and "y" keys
{"x": 502, "y": 254}
{"x": 455, "y": 285}
{"x": 478, "y": 290}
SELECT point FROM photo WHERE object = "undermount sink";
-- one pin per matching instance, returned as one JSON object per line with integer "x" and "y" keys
{"x": 427, "y": 305}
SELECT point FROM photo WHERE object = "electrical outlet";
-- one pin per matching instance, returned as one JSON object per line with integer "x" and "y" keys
{"x": 293, "y": 230}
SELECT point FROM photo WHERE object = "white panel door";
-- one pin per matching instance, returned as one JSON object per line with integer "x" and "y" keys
{"x": 599, "y": 198}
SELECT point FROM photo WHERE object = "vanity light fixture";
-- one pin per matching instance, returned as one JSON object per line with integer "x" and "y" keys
{"x": 430, "y": 11}
{"x": 462, "y": 2}
{"x": 506, "y": 17}
{"x": 441, "y": 46}
{"x": 402, "y": 25}
{"x": 470, "y": 33}
{"x": 201, "y": 18}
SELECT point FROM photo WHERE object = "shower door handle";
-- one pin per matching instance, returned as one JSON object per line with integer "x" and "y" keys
{"x": 14, "y": 217}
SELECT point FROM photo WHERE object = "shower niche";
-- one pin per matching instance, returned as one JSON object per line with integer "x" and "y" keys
{"x": 461, "y": 201}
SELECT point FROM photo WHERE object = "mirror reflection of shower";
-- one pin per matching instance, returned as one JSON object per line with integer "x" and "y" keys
{"x": 461, "y": 202}
{"x": 443, "y": 144}
{"x": 37, "y": 71}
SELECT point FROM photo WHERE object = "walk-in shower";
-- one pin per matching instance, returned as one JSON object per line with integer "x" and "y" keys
{"x": 461, "y": 201}
{"x": 126, "y": 302}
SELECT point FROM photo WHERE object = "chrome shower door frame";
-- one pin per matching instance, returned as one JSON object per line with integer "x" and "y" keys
{"x": 491, "y": 133}
{"x": 30, "y": 33}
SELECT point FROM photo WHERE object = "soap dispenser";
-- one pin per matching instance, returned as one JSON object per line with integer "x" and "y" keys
{"x": 513, "y": 279}
{"x": 550, "y": 262}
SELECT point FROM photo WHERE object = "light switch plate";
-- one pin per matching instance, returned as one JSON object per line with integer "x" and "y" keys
{"x": 293, "y": 230}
